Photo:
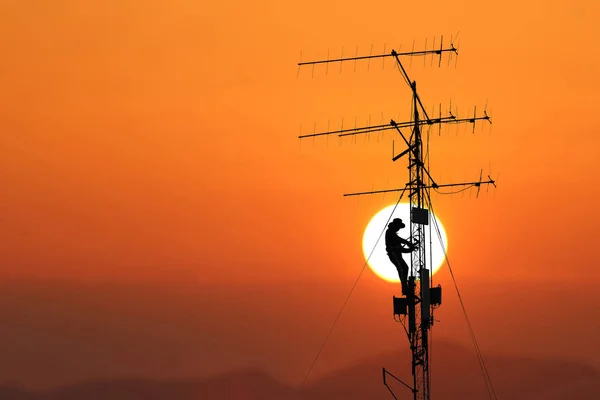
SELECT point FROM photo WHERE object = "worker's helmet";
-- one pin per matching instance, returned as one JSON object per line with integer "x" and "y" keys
{"x": 397, "y": 224}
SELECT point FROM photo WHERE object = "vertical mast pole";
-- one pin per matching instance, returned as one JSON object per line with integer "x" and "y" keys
{"x": 419, "y": 300}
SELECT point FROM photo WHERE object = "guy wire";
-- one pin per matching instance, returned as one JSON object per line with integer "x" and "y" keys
{"x": 351, "y": 290}
{"x": 482, "y": 366}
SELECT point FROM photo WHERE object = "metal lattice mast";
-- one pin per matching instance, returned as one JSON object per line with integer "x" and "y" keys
{"x": 418, "y": 337}
{"x": 421, "y": 298}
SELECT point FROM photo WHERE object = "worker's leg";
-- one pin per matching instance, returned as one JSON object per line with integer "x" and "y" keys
{"x": 404, "y": 276}
{"x": 402, "y": 269}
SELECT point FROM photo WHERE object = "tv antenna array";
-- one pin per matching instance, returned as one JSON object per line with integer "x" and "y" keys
{"x": 417, "y": 307}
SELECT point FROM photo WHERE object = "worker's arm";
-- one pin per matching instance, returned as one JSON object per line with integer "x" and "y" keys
{"x": 408, "y": 249}
{"x": 399, "y": 244}
{"x": 411, "y": 246}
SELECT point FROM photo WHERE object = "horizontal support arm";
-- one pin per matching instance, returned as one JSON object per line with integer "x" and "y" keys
{"x": 340, "y": 132}
{"x": 376, "y": 128}
{"x": 434, "y": 186}
{"x": 391, "y": 54}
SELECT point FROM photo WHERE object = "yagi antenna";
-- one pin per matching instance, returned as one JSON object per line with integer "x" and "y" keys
{"x": 452, "y": 40}
{"x": 440, "y": 52}
{"x": 489, "y": 118}
{"x": 421, "y": 298}
{"x": 493, "y": 182}
{"x": 440, "y": 125}
{"x": 456, "y": 51}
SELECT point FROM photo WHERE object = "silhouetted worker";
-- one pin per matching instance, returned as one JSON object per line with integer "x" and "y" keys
{"x": 395, "y": 246}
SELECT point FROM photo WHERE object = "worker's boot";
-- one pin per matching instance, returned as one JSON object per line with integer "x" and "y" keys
{"x": 405, "y": 289}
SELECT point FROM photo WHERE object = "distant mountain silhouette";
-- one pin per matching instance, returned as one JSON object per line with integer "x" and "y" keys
{"x": 57, "y": 332}
{"x": 454, "y": 376}
{"x": 12, "y": 393}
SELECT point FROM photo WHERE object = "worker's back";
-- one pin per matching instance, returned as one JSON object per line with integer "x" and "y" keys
{"x": 393, "y": 242}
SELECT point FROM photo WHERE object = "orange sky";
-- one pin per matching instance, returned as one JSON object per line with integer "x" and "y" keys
{"x": 155, "y": 141}
{"x": 158, "y": 143}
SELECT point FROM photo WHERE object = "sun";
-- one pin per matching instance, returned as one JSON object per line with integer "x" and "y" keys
{"x": 379, "y": 261}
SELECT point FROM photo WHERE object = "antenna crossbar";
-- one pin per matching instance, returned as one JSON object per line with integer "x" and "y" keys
{"x": 391, "y": 54}
{"x": 490, "y": 181}
{"x": 376, "y": 128}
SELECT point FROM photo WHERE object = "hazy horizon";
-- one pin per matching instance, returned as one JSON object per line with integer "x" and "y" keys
{"x": 167, "y": 330}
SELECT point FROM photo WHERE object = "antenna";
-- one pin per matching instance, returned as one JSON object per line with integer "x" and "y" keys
{"x": 421, "y": 299}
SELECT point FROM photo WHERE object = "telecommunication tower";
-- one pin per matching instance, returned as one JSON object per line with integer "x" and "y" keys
{"x": 416, "y": 309}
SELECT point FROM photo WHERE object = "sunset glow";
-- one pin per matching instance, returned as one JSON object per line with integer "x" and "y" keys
{"x": 379, "y": 261}
{"x": 161, "y": 218}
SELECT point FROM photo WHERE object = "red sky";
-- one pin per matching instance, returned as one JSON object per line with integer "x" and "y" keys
{"x": 158, "y": 142}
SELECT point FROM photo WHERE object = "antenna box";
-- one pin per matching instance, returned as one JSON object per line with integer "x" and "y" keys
{"x": 435, "y": 295}
{"x": 419, "y": 216}
{"x": 400, "y": 305}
